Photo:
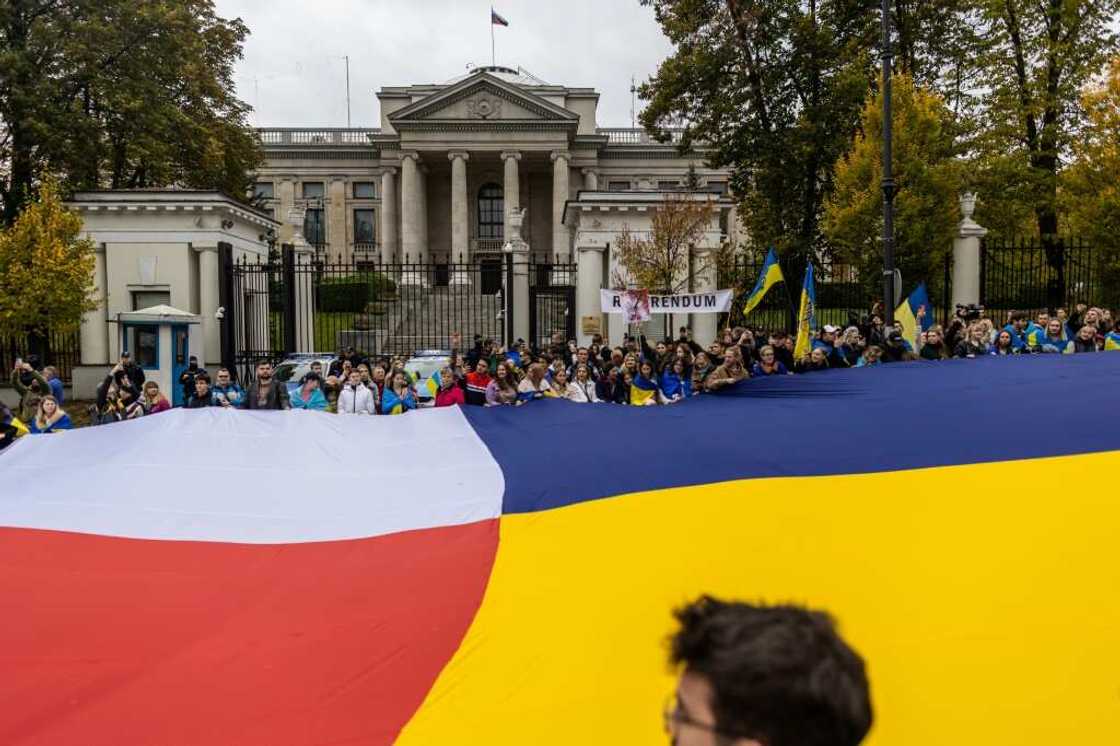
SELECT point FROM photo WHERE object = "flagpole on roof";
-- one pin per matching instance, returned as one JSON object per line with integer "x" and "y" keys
{"x": 493, "y": 58}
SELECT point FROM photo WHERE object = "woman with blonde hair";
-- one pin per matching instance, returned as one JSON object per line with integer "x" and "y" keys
{"x": 152, "y": 400}
{"x": 49, "y": 418}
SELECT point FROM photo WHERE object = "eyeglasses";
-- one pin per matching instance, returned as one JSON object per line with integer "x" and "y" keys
{"x": 675, "y": 718}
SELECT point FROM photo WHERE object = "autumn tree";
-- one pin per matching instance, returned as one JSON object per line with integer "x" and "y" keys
{"x": 927, "y": 175}
{"x": 773, "y": 89}
{"x": 1037, "y": 59}
{"x": 1089, "y": 193}
{"x": 120, "y": 94}
{"x": 660, "y": 260}
{"x": 46, "y": 269}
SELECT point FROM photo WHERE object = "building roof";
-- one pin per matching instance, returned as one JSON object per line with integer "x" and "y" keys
{"x": 161, "y": 313}
{"x": 516, "y": 76}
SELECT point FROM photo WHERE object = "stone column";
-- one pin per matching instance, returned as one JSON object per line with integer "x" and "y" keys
{"x": 208, "y": 280}
{"x": 95, "y": 324}
{"x": 511, "y": 190}
{"x": 589, "y": 282}
{"x": 560, "y": 244}
{"x": 704, "y": 325}
{"x": 422, "y": 208}
{"x": 410, "y": 206}
{"x": 286, "y": 194}
{"x": 389, "y": 214}
{"x": 338, "y": 239}
{"x": 518, "y": 295}
{"x": 303, "y": 256}
{"x": 590, "y": 180}
{"x": 966, "y": 254}
{"x": 460, "y": 218}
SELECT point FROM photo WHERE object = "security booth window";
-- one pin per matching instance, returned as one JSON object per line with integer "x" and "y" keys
{"x": 142, "y": 340}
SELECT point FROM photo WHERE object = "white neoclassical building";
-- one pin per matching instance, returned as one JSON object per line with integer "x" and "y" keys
{"x": 439, "y": 178}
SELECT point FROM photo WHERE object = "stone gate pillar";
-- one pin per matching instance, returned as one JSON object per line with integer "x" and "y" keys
{"x": 966, "y": 254}
{"x": 589, "y": 281}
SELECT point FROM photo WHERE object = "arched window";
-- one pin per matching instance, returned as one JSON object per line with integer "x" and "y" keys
{"x": 491, "y": 212}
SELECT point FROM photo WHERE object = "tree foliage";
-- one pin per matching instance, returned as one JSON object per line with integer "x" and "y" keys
{"x": 927, "y": 176}
{"x": 661, "y": 261}
{"x": 1037, "y": 58}
{"x": 1089, "y": 192}
{"x": 46, "y": 268}
{"x": 120, "y": 94}
{"x": 774, "y": 89}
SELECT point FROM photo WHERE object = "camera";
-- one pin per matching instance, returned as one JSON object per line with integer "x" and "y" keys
{"x": 969, "y": 311}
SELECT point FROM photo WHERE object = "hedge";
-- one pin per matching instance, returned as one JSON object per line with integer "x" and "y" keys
{"x": 351, "y": 293}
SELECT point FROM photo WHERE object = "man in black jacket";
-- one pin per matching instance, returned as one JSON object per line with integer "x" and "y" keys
{"x": 134, "y": 372}
{"x": 266, "y": 392}
{"x": 186, "y": 380}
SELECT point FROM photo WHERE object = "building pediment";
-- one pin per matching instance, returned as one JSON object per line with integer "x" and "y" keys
{"x": 480, "y": 100}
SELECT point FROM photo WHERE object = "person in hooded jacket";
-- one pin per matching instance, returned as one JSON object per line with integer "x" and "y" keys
{"x": 355, "y": 397}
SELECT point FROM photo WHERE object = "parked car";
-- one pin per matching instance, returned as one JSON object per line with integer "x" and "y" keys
{"x": 292, "y": 369}
{"x": 423, "y": 365}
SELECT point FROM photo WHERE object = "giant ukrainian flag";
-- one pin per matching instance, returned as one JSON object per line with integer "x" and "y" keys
{"x": 219, "y": 577}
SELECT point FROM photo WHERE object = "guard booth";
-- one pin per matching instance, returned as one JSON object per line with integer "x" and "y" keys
{"x": 161, "y": 340}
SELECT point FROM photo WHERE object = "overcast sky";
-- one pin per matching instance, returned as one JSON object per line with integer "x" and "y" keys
{"x": 293, "y": 73}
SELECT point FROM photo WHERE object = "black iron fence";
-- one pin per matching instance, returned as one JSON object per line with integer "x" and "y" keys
{"x": 839, "y": 294}
{"x": 62, "y": 350}
{"x": 552, "y": 302}
{"x": 312, "y": 303}
{"x": 1033, "y": 276}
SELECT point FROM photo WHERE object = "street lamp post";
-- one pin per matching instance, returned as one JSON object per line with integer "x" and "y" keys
{"x": 888, "y": 176}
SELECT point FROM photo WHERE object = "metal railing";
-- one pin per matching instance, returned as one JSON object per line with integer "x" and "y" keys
{"x": 303, "y": 136}
{"x": 487, "y": 245}
{"x": 63, "y": 351}
{"x": 1025, "y": 275}
{"x": 638, "y": 136}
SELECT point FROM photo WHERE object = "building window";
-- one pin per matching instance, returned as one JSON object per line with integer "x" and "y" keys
{"x": 618, "y": 186}
{"x": 263, "y": 190}
{"x": 364, "y": 190}
{"x": 716, "y": 187}
{"x": 313, "y": 229}
{"x": 491, "y": 212}
{"x": 142, "y": 340}
{"x": 668, "y": 186}
{"x": 312, "y": 190}
{"x": 148, "y": 298}
{"x": 363, "y": 227}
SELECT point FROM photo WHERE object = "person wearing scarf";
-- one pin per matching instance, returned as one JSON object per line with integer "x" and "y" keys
{"x": 643, "y": 391}
{"x": 676, "y": 383}
{"x": 398, "y": 398}
{"x": 50, "y": 418}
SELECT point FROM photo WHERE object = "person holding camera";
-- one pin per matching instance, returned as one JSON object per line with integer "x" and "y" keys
{"x": 31, "y": 386}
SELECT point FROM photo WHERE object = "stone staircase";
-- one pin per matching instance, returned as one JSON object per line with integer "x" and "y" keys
{"x": 424, "y": 318}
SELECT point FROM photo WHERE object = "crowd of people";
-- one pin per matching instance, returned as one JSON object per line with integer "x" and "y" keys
{"x": 635, "y": 373}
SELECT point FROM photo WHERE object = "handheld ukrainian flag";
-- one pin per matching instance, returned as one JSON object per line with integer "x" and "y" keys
{"x": 1112, "y": 341}
{"x": 770, "y": 276}
{"x": 642, "y": 390}
{"x": 806, "y": 315}
{"x": 433, "y": 383}
{"x": 909, "y": 315}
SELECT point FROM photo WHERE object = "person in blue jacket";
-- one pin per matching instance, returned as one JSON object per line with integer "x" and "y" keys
{"x": 1021, "y": 329}
{"x": 309, "y": 395}
{"x": 49, "y": 418}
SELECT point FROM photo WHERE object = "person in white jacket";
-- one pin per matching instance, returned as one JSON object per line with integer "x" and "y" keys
{"x": 355, "y": 397}
{"x": 582, "y": 389}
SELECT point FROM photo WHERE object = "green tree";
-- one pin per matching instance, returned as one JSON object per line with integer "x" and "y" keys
{"x": 1038, "y": 58}
{"x": 774, "y": 89}
{"x": 46, "y": 268}
{"x": 928, "y": 178}
{"x": 1089, "y": 193}
{"x": 661, "y": 260}
{"x": 120, "y": 93}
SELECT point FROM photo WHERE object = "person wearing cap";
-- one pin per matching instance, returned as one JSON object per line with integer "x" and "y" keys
{"x": 308, "y": 395}
{"x": 827, "y": 341}
{"x": 134, "y": 372}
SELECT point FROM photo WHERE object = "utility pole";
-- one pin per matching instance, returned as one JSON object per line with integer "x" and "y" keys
{"x": 347, "y": 58}
{"x": 888, "y": 176}
{"x": 633, "y": 103}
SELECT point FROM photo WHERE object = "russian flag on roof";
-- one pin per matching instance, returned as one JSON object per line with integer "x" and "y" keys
{"x": 219, "y": 577}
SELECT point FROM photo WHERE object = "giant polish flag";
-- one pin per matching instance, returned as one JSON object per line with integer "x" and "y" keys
{"x": 506, "y": 575}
